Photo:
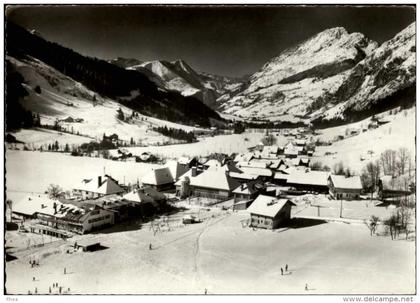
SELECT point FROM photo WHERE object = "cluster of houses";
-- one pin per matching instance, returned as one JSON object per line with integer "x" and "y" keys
{"x": 94, "y": 203}
{"x": 260, "y": 181}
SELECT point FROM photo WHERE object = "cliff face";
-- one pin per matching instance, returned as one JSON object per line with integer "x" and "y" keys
{"x": 329, "y": 77}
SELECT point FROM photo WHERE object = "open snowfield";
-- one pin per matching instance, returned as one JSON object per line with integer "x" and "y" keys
{"x": 40, "y": 136}
{"x": 228, "y": 144}
{"x": 224, "y": 258}
{"x": 399, "y": 132}
{"x": 33, "y": 171}
{"x": 62, "y": 97}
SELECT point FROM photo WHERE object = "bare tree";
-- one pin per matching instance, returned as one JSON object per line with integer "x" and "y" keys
{"x": 388, "y": 161}
{"x": 370, "y": 177}
{"x": 403, "y": 159}
{"x": 392, "y": 223}
{"x": 339, "y": 169}
{"x": 54, "y": 191}
{"x": 269, "y": 140}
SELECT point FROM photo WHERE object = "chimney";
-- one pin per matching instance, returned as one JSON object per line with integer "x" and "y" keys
{"x": 194, "y": 171}
{"x": 99, "y": 180}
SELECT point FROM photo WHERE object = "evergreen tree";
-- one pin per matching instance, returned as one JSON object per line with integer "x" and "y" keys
{"x": 120, "y": 114}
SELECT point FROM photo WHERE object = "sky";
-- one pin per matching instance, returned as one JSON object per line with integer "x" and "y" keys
{"x": 224, "y": 40}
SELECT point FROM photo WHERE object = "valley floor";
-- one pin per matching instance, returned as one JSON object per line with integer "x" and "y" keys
{"x": 222, "y": 257}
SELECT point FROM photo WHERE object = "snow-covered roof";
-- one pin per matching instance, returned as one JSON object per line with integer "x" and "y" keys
{"x": 184, "y": 160}
{"x": 213, "y": 163}
{"x": 254, "y": 163}
{"x": 281, "y": 176}
{"x": 291, "y": 150}
{"x": 101, "y": 185}
{"x": 248, "y": 188}
{"x": 188, "y": 175}
{"x": 41, "y": 204}
{"x": 300, "y": 142}
{"x": 273, "y": 149}
{"x": 319, "y": 178}
{"x": 265, "y": 172}
{"x": 144, "y": 195}
{"x": 216, "y": 179}
{"x": 242, "y": 176}
{"x": 267, "y": 206}
{"x": 158, "y": 176}
{"x": 346, "y": 182}
{"x": 176, "y": 168}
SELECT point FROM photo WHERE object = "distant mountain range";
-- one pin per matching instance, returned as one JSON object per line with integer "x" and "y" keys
{"x": 181, "y": 77}
{"x": 331, "y": 78}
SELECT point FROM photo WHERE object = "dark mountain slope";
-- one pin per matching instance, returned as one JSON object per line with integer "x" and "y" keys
{"x": 110, "y": 80}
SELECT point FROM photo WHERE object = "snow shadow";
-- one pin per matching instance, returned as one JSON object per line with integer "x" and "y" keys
{"x": 305, "y": 222}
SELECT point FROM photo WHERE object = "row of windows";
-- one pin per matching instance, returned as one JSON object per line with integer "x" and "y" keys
{"x": 99, "y": 219}
{"x": 261, "y": 221}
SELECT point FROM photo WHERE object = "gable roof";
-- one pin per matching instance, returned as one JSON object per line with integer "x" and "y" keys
{"x": 158, "y": 176}
{"x": 177, "y": 169}
{"x": 268, "y": 206}
{"x": 264, "y": 172}
{"x": 248, "y": 188}
{"x": 107, "y": 186}
{"x": 188, "y": 175}
{"x": 216, "y": 179}
{"x": 346, "y": 182}
{"x": 41, "y": 204}
{"x": 144, "y": 195}
{"x": 318, "y": 178}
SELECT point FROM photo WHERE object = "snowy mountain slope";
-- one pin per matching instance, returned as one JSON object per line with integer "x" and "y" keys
{"x": 179, "y": 76}
{"x": 62, "y": 97}
{"x": 289, "y": 83}
{"x": 130, "y": 88}
{"x": 125, "y": 62}
{"x": 389, "y": 70}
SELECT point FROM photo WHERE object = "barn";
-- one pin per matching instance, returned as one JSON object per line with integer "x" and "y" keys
{"x": 343, "y": 187}
{"x": 269, "y": 212}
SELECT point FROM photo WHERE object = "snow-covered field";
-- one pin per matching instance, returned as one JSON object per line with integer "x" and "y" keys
{"x": 399, "y": 132}
{"x": 29, "y": 171}
{"x": 221, "y": 257}
{"x": 34, "y": 171}
{"x": 235, "y": 143}
{"x": 40, "y": 137}
{"x": 62, "y": 97}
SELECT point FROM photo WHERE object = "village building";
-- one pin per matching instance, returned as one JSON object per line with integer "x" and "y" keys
{"x": 182, "y": 186}
{"x": 343, "y": 187}
{"x": 308, "y": 180}
{"x": 112, "y": 139}
{"x": 97, "y": 187}
{"x": 159, "y": 178}
{"x": 291, "y": 151}
{"x": 52, "y": 215}
{"x": 270, "y": 212}
{"x": 246, "y": 193}
{"x": 393, "y": 187}
{"x": 176, "y": 168}
{"x": 213, "y": 183}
